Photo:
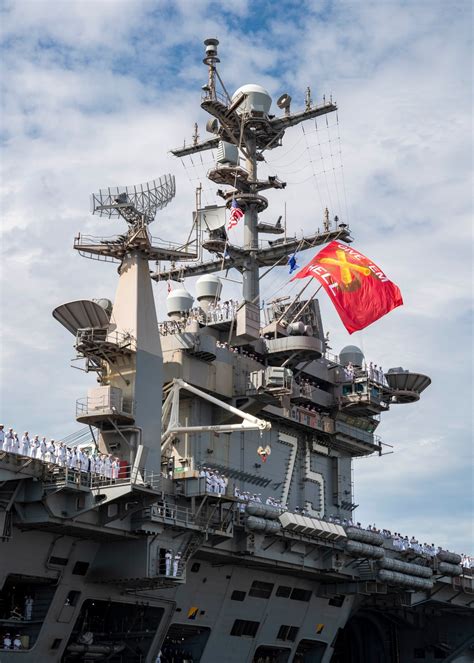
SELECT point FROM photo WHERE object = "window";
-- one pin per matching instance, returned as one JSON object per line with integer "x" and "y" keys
{"x": 58, "y": 561}
{"x": 244, "y": 627}
{"x": 195, "y": 567}
{"x": 261, "y": 590}
{"x": 287, "y": 633}
{"x": 283, "y": 591}
{"x": 72, "y": 598}
{"x": 337, "y": 600}
{"x": 298, "y": 594}
{"x": 80, "y": 568}
{"x": 237, "y": 596}
{"x": 56, "y": 643}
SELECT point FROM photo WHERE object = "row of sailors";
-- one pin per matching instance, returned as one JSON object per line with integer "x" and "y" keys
{"x": 467, "y": 562}
{"x": 59, "y": 453}
{"x": 222, "y": 311}
{"x": 374, "y": 372}
{"x": 215, "y": 483}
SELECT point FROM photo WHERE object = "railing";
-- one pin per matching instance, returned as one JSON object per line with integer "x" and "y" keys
{"x": 59, "y": 476}
{"x": 104, "y": 405}
{"x": 120, "y": 339}
{"x": 218, "y": 96}
{"x": 312, "y": 419}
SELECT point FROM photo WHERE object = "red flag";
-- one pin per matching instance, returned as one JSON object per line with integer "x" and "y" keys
{"x": 358, "y": 288}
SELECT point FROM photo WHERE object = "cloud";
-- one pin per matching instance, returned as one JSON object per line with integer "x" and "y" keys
{"x": 97, "y": 97}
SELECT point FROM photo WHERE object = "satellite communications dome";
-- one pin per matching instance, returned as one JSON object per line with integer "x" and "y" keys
{"x": 106, "y": 304}
{"x": 352, "y": 354}
{"x": 258, "y": 98}
{"x": 209, "y": 287}
{"x": 179, "y": 301}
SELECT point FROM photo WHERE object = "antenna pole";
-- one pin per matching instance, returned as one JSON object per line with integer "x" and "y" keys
{"x": 251, "y": 286}
{"x": 211, "y": 60}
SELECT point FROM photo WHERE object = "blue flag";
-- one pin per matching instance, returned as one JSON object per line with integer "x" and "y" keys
{"x": 292, "y": 263}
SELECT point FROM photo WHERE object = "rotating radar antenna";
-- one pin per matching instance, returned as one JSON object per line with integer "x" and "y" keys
{"x": 135, "y": 204}
{"x": 138, "y": 205}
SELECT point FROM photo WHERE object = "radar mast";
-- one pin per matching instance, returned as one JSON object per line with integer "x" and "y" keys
{"x": 243, "y": 124}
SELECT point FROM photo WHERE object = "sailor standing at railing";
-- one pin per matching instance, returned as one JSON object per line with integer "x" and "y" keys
{"x": 9, "y": 437}
{"x": 62, "y": 454}
{"x": 168, "y": 557}
{"x": 176, "y": 562}
{"x": 43, "y": 449}
{"x": 34, "y": 447}
{"x": 108, "y": 467}
{"x": 52, "y": 452}
{"x": 16, "y": 444}
{"x": 115, "y": 468}
{"x": 25, "y": 444}
{"x": 2, "y": 438}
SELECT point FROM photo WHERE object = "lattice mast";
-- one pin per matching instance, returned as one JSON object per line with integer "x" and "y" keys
{"x": 244, "y": 121}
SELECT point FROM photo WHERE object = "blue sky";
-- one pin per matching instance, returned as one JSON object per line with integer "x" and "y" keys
{"x": 96, "y": 93}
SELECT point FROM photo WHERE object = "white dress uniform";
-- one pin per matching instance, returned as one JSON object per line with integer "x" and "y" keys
{"x": 8, "y": 445}
{"x": 62, "y": 455}
{"x": 52, "y": 452}
{"x": 25, "y": 445}
{"x": 35, "y": 443}
{"x": 168, "y": 557}
{"x": 7, "y": 643}
{"x": 2, "y": 439}
{"x": 16, "y": 444}
{"x": 176, "y": 561}
{"x": 43, "y": 449}
{"x": 108, "y": 468}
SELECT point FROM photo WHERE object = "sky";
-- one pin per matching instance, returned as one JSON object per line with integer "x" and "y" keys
{"x": 95, "y": 94}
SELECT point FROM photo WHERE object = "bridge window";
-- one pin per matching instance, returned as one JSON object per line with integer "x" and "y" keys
{"x": 244, "y": 627}
{"x": 287, "y": 633}
{"x": 237, "y": 596}
{"x": 80, "y": 568}
{"x": 299, "y": 594}
{"x": 283, "y": 592}
{"x": 261, "y": 590}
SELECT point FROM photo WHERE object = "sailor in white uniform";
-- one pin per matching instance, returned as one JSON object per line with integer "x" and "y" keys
{"x": 208, "y": 481}
{"x": 25, "y": 444}
{"x": 7, "y": 642}
{"x": 17, "y": 642}
{"x": 35, "y": 444}
{"x": 52, "y": 452}
{"x": 62, "y": 454}
{"x": 176, "y": 562}
{"x": 168, "y": 557}
{"x": 2, "y": 438}
{"x": 8, "y": 445}
{"x": 43, "y": 449}
{"x": 108, "y": 467}
{"x": 16, "y": 444}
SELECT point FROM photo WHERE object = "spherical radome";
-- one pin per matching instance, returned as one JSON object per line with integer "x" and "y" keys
{"x": 351, "y": 354}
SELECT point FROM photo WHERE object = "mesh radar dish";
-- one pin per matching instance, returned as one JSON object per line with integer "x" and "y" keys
{"x": 135, "y": 203}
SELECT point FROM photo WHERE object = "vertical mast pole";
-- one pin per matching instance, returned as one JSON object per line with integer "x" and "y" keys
{"x": 251, "y": 288}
